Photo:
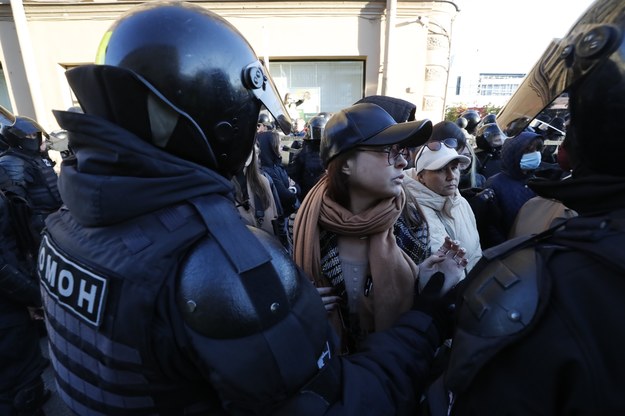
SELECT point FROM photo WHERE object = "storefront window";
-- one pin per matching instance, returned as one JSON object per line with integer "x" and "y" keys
{"x": 325, "y": 86}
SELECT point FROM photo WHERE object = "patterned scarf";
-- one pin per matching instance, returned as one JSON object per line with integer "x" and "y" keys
{"x": 392, "y": 272}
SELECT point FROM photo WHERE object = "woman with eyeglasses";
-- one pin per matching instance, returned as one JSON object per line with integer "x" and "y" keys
{"x": 433, "y": 182}
{"x": 472, "y": 185}
{"x": 354, "y": 233}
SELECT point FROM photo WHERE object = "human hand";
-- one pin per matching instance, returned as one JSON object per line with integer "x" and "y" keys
{"x": 449, "y": 260}
{"x": 486, "y": 195}
{"x": 330, "y": 301}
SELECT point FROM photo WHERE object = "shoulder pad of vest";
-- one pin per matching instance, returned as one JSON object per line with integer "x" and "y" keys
{"x": 218, "y": 302}
{"x": 502, "y": 298}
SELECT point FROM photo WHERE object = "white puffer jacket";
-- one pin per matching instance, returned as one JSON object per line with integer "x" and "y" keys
{"x": 446, "y": 215}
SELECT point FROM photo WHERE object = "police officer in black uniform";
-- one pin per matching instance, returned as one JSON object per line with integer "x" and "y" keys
{"x": 31, "y": 171}
{"x": 158, "y": 299}
{"x": 489, "y": 140}
{"x": 540, "y": 330}
{"x": 22, "y": 389}
{"x": 473, "y": 119}
{"x": 306, "y": 168}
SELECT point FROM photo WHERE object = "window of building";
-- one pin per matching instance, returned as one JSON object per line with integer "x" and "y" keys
{"x": 328, "y": 85}
{"x": 499, "y": 84}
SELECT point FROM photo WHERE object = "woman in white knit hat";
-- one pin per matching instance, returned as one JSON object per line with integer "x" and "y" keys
{"x": 434, "y": 184}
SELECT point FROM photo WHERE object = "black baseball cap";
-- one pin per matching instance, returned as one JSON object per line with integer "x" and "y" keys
{"x": 367, "y": 124}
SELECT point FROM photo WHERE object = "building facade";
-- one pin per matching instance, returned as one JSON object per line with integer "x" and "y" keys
{"x": 335, "y": 51}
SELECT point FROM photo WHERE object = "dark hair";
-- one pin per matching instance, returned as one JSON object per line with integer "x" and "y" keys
{"x": 253, "y": 175}
{"x": 412, "y": 214}
{"x": 338, "y": 188}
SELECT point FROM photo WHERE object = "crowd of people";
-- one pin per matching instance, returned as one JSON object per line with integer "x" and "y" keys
{"x": 388, "y": 266}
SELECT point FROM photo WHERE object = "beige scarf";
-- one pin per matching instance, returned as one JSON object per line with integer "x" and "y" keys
{"x": 393, "y": 273}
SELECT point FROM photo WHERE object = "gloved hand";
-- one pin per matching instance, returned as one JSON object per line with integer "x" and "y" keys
{"x": 437, "y": 303}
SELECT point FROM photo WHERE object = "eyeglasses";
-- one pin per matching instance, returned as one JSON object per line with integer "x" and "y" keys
{"x": 392, "y": 152}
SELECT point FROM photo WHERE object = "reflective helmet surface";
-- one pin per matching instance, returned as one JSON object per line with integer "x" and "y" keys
{"x": 489, "y": 136}
{"x": 315, "y": 127}
{"x": 21, "y": 132}
{"x": 487, "y": 119}
{"x": 265, "y": 120}
{"x": 462, "y": 122}
{"x": 473, "y": 119}
{"x": 583, "y": 72}
{"x": 204, "y": 69}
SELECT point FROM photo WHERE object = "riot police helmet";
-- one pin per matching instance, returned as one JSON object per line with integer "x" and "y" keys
{"x": 487, "y": 119}
{"x": 205, "y": 86}
{"x": 315, "y": 127}
{"x": 473, "y": 119}
{"x": 265, "y": 120}
{"x": 462, "y": 122}
{"x": 21, "y": 132}
{"x": 489, "y": 137}
{"x": 584, "y": 73}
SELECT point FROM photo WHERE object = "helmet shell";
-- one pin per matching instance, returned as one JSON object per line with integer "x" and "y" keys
{"x": 315, "y": 127}
{"x": 25, "y": 134}
{"x": 473, "y": 119}
{"x": 489, "y": 136}
{"x": 205, "y": 69}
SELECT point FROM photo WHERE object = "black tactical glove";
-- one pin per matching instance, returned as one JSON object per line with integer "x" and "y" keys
{"x": 440, "y": 306}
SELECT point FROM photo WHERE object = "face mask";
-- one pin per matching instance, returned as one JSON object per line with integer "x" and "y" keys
{"x": 530, "y": 161}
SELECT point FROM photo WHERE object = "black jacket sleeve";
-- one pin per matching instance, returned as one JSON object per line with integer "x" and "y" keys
{"x": 389, "y": 374}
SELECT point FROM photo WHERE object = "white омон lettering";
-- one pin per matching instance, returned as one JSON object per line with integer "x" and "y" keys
{"x": 66, "y": 283}
{"x": 50, "y": 271}
{"x": 88, "y": 296}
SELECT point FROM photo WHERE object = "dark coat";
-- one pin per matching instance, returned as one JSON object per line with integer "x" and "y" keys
{"x": 510, "y": 185}
{"x": 271, "y": 164}
{"x": 566, "y": 358}
{"x": 306, "y": 167}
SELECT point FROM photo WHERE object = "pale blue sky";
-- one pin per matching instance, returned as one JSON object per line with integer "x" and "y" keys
{"x": 509, "y": 35}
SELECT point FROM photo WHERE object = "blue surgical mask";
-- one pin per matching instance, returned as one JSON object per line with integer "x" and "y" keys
{"x": 530, "y": 161}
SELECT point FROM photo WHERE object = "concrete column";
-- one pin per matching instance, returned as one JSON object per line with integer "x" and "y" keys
{"x": 33, "y": 87}
{"x": 437, "y": 63}
{"x": 391, "y": 13}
